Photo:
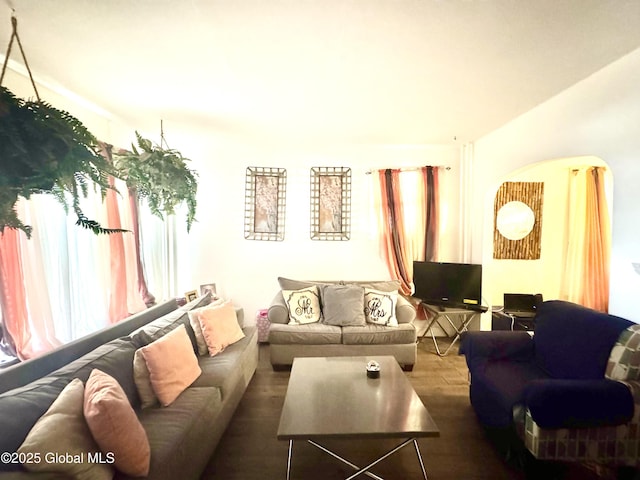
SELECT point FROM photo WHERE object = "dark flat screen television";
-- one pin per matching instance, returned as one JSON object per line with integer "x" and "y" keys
{"x": 448, "y": 284}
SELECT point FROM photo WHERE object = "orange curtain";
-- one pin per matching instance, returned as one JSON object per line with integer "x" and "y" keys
{"x": 586, "y": 272}
{"x": 12, "y": 292}
{"x": 394, "y": 245}
{"x": 598, "y": 243}
{"x": 408, "y": 220}
{"x": 432, "y": 215}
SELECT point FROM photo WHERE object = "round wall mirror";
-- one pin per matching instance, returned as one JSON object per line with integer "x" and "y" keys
{"x": 515, "y": 220}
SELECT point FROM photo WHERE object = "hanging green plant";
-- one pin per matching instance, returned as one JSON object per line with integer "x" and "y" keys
{"x": 46, "y": 150}
{"x": 160, "y": 175}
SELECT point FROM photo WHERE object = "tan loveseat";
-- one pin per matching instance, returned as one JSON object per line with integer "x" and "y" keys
{"x": 342, "y": 323}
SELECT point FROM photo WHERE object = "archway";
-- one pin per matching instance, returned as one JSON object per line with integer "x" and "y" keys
{"x": 542, "y": 274}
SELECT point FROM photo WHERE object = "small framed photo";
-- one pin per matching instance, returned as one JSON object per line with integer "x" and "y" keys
{"x": 208, "y": 288}
{"x": 191, "y": 295}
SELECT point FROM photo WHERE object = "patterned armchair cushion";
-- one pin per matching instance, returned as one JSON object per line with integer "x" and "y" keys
{"x": 611, "y": 445}
{"x": 624, "y": 361}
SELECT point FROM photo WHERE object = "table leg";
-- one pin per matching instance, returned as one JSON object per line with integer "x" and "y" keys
{"x": 467, "y": 318}
{"x": 289, "y": 459}
{"x": 424, "y": 472}
{"x": 345, "y": 461}
{"x": 365, "y": 470}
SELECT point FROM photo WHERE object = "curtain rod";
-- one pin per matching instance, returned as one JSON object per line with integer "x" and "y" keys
{"x": 406, "y": 169}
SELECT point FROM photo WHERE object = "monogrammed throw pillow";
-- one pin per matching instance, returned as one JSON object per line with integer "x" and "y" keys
{"x": 380, "y": 307}
{"x": 303, "y": 305}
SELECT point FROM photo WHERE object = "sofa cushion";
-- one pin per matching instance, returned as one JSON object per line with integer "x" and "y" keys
{"x": 179, "y": 434}
{"x": 114, "y": 358}
{"x": 220, "y": 327}
{"x": 21, "y": 408}
{"x": 384, "y": 285}
{"x": 224, "y": 371}
{"x": 62, "y": 441}
{"x": 371, "y": 334}
{"x": 303, "y": 305}
{"x": 114, "y": 425}
{"x": 289, "y": 284}
{"x": 589, "y": 335}
{"x": 560, "y": 403}
{"x": 343, "y": 305}
{"x": 172, "y": 365}
{"x": 380, "y": 307}
{"x": 314, "y": 334}
{"x": 143, "y": 381}
{"x": 197, "y": 328}
{"x": 163, "y": 325}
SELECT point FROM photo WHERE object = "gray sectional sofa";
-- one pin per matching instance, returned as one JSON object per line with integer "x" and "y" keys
{"x": 182, "y": 436}
{"x": 342, "y": 337}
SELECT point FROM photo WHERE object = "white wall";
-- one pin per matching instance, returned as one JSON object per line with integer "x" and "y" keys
{"x": 247, "y": 270}
{"x": 244, "y": 270}
{"x": 599, "y": 116}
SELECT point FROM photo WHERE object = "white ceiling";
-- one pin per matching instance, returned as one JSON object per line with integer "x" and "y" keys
{"x": 374, "y": 71}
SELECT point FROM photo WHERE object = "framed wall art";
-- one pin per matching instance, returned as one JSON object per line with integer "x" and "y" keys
{"x": 330, "y": 203}
{"x": 265, "y": 198}
{"x": 518, "y": 221}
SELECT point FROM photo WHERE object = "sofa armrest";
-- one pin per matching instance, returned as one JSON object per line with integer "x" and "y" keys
{"x": 561, "y": 403}
{"x": 278, "y": 311}
{"x": 496, "y": 345}
{"x": 405, "y": 311}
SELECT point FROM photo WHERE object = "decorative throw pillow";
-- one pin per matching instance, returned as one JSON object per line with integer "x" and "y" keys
{"x": 143, "y": 381}
{"x": 303, "y": 305}
{"x": 380, "y": 307}
{"x": 197, "y": 329}
{"x": 343, "y": 305}
{"x": 62, "y": 434}
{"x": 114, "y": 425}
{"x": 172, "y": 364}
{"x": 220, "y": 327}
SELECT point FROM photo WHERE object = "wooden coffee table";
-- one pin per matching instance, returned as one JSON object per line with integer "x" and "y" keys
{"x": 333, "y": 398}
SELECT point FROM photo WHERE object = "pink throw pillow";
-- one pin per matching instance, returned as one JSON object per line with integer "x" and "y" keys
{"x": 114, "y": 425}
{"x": 172, "y": 364}
{"x": 220, "y": 327}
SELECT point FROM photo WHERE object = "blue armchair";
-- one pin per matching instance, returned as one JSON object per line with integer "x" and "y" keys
{"x": 569, "y": 392}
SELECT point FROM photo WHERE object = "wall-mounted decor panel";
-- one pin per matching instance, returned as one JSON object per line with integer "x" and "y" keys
{"x": 330, "y": 203}
{"x": 265, "y": 200}
{"x": 518, "y": 220}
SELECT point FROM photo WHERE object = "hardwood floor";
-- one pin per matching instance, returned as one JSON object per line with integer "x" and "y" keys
{"x": 249, "y": 449}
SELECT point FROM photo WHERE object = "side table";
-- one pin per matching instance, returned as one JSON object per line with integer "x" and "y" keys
{"x": 464, "y": 315}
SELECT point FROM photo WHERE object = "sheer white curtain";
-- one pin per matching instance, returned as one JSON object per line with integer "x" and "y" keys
{"x": 164, "y": 253}
{"x": 66, "y": 282}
